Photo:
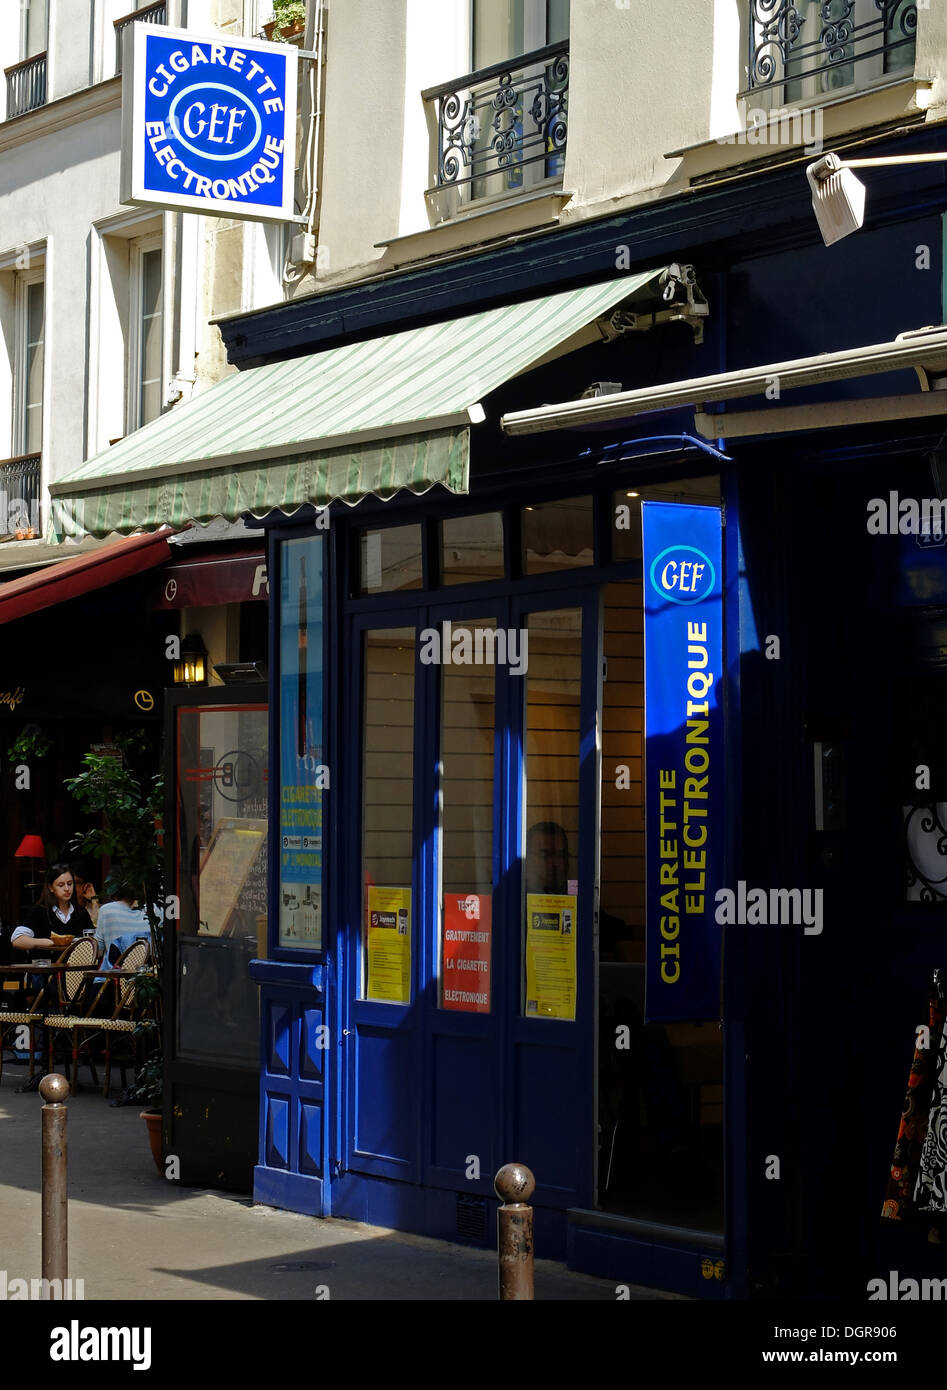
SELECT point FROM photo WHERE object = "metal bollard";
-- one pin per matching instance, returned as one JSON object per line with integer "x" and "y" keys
{"x": 514, "y": 1186}
{"x": 54, "y": 1089}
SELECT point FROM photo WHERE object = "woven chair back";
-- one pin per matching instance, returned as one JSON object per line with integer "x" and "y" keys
{"x": 81, "y": 953}
{"x": 133, "y": 958}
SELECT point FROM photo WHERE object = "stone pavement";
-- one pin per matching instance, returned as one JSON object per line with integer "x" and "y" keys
{"x": 135, "y": 1235}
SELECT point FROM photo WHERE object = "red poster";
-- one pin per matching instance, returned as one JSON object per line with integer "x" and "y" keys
{"x": 466, "y": 980}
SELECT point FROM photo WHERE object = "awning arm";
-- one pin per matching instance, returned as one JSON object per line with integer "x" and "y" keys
{"x": 921, "y": 349}
{"x": 652, "y": 444}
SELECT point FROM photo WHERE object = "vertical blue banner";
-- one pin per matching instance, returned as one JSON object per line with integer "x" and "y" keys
{"x": 302, "y": 774}
{"x": 684, "y": 773}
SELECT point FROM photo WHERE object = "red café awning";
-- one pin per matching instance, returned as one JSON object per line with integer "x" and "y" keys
{"x": 72, "y": 578}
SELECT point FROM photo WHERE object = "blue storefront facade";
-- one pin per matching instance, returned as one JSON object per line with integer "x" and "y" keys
{"x": 434, "y": 815}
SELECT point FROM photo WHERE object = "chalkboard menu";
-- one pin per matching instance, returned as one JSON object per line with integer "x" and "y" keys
{"x": 233, "y": 877}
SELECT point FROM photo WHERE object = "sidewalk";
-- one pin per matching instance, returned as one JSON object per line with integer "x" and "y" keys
{"x": 135, "y": 1235}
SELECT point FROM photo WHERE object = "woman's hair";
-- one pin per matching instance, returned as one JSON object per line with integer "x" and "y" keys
{"x": 55, "y": 871}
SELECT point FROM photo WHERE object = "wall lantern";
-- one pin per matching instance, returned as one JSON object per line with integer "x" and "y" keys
{"x": 191, "y": 666}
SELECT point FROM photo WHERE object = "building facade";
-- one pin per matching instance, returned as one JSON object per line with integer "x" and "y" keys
{"x": 563, "y": 276}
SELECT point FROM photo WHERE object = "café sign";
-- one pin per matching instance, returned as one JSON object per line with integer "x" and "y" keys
{"x": 208, "y": 124}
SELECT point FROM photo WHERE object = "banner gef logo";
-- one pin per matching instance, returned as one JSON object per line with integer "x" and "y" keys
{"x": 208, "y": 124}
{"x": 684, "y": 773}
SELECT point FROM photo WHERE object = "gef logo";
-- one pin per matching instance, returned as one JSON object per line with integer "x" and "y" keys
{"x": 683, "y": 574}
{"x": 209, "y": 124}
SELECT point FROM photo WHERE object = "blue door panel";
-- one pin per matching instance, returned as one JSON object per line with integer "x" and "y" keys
{"x": 278, "y": 1033}
{"x": 386, "y": 1099}
{"x": 545, "y": 1084}
{"x": 311, "y": 1054}
{"x": 276, "y": 1154}
{"x": 309, "y": 1154}
{"x": 463, "y": 1104}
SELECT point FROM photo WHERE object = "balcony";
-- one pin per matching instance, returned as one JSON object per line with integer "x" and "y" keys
{"x": 154, "y": 14}
{"x": 501, "y": 131}
{"x": 20, "y": 484}
{"x": 26, "y": 85}
{"x": 811, "y": 50}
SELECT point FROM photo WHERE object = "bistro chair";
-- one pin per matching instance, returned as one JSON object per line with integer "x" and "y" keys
{"x": 85, "y": 1028}
{"x": 71, "y": 986}
{"x": 13, "y": 1019}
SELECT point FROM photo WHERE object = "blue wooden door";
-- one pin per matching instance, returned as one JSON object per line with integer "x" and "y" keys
{"x": 476, "y": 782}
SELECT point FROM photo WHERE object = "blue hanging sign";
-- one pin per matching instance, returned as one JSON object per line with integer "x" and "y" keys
{"x": 208, "y": 124}
{"x": 684, "y": 771}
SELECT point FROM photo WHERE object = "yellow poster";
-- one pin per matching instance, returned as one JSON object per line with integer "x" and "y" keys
{"x": 550, "y": 955}
{"x": 389, "y": 945}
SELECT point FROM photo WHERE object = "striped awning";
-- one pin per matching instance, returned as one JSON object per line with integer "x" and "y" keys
{"x": 370, "y": 417}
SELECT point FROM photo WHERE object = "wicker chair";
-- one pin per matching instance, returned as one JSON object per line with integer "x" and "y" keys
{"x": 85, "y": 1028}
{"x": 81, "y": 952}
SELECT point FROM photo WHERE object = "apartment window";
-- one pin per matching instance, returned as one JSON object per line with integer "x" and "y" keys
{"x": 146, "y": 384}
{"x": 31, "y": 333}
{"x": 812, "y": 50}
{"x": 502, "y": 128}
{"x": 505, "y": 29}
{"x": 26, "y": 79}
{"x": 34, "y": 20}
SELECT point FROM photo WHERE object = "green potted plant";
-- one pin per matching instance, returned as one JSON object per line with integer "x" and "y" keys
{"x": 289, "y": 19}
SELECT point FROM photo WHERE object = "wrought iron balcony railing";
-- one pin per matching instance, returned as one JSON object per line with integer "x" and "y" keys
{"x": 26, "y": 85}
{"x": 503, "y": 129}
{"x": 20, "y": 484}
{"x": 803, "y": 49}
{"x": 153, "y": 14}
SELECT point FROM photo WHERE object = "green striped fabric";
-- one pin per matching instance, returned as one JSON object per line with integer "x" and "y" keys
{"x": 306, "y": 416}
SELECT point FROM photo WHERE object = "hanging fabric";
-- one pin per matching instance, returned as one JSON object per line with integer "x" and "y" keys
{"x": 927, "y": 1068}
{"x": 930, "y": 1193}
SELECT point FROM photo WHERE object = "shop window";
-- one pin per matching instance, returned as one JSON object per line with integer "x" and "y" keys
{"x": 387, "y": 814}
{"x": 302, "y": 772}
{"x": 626, "y": 508}
{"x": 390, "y": 559}
{"x": 472, "y": 548}
{"x": 468, "y": 715}
{"x": 558, "y": 535}
{"x": 551, "y": 829}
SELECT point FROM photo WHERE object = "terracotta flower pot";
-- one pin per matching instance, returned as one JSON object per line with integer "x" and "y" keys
{"x": 288, "y": 31}
{"x": 152, "y": 1119}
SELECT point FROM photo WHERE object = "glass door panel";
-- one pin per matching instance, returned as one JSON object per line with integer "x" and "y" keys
{"x": 468, "y": 729}
{"x": 221, "y": 880}
{"x": 387, "y": 813}
{"x": 551, "y": 824}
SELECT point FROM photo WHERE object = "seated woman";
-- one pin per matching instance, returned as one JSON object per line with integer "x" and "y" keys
{"x": 117, "y": 919}
{"x": 55, "y": 919}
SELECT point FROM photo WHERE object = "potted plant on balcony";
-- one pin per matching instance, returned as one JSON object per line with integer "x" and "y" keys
{"x": 289, "y": 19}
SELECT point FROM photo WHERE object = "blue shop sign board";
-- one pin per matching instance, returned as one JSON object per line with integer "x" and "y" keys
{"x": 684, "y": 768}
{"x": 208, "y": 124}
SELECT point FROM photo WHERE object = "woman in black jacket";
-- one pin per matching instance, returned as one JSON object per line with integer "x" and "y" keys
{"x": 57, "y": 916}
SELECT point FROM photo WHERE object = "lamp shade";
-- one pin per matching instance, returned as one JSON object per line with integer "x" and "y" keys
{"x": 30, "y": 847}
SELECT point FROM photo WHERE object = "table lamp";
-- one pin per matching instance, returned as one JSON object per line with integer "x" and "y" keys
{"x": 31, "y": 847}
